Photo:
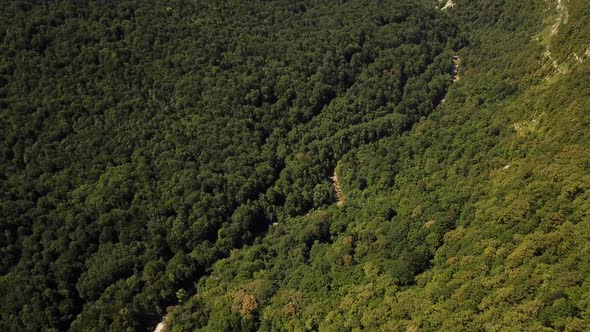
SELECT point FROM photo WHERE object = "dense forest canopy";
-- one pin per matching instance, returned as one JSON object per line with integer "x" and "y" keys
{"x": 178, "y": 154}
{"x": 143, "y": 141}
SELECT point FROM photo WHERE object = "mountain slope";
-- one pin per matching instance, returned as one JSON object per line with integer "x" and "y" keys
{"x": 180, "y": 153}
{"x": 477, "y": 219}
{"x": 140, "y": 142}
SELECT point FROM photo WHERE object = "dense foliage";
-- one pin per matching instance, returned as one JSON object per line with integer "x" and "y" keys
{"x": 477, "y": 219}
{"x": 179, "y": 153}
{"x": 142, "y": 141}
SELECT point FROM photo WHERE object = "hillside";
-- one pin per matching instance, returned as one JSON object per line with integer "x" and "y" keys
{"x": 476, "y": 219}
{"x": 295, "y": 165}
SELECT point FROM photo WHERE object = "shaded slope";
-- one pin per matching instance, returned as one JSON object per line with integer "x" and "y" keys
{"x": 437, "y": 232}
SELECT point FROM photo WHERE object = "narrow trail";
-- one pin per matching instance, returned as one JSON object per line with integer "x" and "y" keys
{"x": 448, "y": 4}
{"x": 337, "y": 189}
{"x": 161, "y": 327}
{"x": 456, "y": 65}
{"x": 454, "y": 72}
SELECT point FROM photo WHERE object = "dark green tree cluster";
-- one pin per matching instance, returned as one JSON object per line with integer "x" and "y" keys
{"x": 142, "y": 141}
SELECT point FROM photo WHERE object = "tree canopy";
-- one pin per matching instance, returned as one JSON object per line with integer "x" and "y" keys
{"x": 180, "y": 154}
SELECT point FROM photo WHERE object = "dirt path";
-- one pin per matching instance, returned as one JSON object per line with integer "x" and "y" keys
{"x": 456, "y": 65}
{"x": 454, "y": 72}
{"x": 337, "y": 189}
{"x": 161, "y": 327}
{"x": 448, "y": 4}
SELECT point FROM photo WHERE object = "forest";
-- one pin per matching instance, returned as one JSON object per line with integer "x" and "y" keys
{"x": 176, "y": 158}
